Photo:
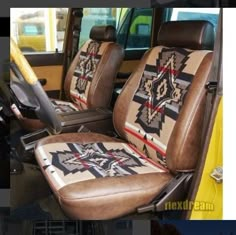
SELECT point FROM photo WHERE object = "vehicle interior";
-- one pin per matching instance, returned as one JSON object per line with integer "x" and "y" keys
{"x": 117, "y": 123}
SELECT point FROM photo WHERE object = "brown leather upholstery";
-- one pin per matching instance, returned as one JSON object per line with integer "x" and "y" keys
{"x": 195, "y": 35}
{"x": 92, "y": 72}
{"x": 191, "y": 114}
{"x": 103, "y": 57}
{"x": 90, "y": 195}
{"x": 113, "y": 197}
{"x": 159, "y": 117}
{"x": 184, "y": 143}
{"x": 103, "y": 33}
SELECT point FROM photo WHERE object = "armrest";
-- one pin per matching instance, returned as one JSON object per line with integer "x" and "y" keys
{"x": 84, "y": 116}
{"x": 96, "y": 120}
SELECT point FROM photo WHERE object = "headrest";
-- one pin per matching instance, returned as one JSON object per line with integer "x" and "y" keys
{"x": 103, "y": 33}
{"x": 195, "y": 35}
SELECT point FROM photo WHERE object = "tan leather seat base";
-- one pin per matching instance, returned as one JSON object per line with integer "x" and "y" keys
{"x": 110, "y": 197}
{"x": 98, "y": 177}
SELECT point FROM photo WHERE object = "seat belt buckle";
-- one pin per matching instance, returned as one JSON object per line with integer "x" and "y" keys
{"x": 211, "y": 86}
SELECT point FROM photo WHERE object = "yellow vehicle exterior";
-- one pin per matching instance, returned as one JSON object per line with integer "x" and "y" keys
{"x": 209, "y": 190}
{"x": 43, "y": 39}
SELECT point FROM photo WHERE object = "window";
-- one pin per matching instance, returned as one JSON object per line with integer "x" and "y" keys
{"x": 209, "y": 14}
{"x": 133, "y": 24}
{"x": 38, "y": 29}
{"x": 136, "y": 27}
{"x": 96, "y": 16}
{"x": 32, "y": 29}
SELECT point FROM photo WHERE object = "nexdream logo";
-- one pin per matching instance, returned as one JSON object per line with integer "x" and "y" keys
{"x": 190, "y": 205}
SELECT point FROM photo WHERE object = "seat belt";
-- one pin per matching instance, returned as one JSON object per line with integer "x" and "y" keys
{"x": 71, "y": 43}
{"x": 77, "y": 14}
{"x": 214, "y": 84}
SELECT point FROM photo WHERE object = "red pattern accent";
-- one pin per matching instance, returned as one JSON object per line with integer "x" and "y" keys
{"x": 92, "y": 54}
{"x": 116, "y": 158}
{"x": 150, "y": 106}
{"x": 79, "y": 99}
{"x": 146, "y": 141}
{"x": 165, "y": 69}
{"x": 148, "y": 159}
{"x": 86, "y": 166}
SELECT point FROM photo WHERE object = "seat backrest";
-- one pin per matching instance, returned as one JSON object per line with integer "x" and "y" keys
{"x": 160, "y": 109}
{"x": 90, "y": 78}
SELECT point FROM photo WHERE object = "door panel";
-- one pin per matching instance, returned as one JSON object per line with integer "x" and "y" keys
{"x": 128, "y": 66}
{"x": 52, "y": 74}
{"x": 48, "y": 66}
{"x": 131, "y": 60}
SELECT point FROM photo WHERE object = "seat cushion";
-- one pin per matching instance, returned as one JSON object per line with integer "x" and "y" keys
{"x": 99, "y": 177}
{"x": 64, "y": 106}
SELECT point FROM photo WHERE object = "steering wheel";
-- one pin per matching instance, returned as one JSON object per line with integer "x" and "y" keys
{"x": 29, "y": 91}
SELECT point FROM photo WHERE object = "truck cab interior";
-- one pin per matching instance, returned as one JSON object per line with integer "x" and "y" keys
{"x": 108, "y": 128}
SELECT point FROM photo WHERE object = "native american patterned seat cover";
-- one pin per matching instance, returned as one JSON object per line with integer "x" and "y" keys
{"x": 90, "y": 78}
{"x": 159, "y": 97}
{"x": 85, "y": 69}
{"x": 158, "y": 116}
{"x": 74, "y": 162}
{"x": 64, "y": 106}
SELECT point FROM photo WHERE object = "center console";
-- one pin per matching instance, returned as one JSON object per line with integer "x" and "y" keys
{"x": 95, "y": 120}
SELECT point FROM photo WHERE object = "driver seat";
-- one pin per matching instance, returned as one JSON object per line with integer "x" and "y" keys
{"x": 90, "y": 78}
{"x": 158, "y": 116}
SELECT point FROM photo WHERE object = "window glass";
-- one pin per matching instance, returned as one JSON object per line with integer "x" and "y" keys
{"x": 123, "y": 25}
{"x": 137, "y": 29}
{"x": 97, "y": 16}
{"x": 38, "y": 29}
{"x": 133, "y": 26}
{"x": 32, "y": 29}
{"x": 210, "y": 14}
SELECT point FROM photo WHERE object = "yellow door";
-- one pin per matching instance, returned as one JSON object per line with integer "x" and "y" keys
{"x": 210, "y": 192}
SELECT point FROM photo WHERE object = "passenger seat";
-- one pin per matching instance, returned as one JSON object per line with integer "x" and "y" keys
{"x": 159, "y": 118}
{"x": 90, "y": 79}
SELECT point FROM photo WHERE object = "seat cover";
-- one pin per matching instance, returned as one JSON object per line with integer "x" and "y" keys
{"x": 159, "y": 95}
{"x": 89, "y": 58}
{"x": 92, "y": 71}
{"x": 96, "y": 172}
{"x": 64, "y": 106}
{"x": 159, "y": 117}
